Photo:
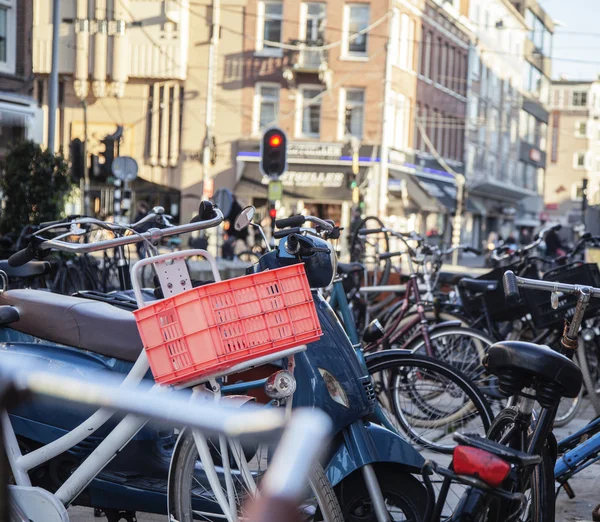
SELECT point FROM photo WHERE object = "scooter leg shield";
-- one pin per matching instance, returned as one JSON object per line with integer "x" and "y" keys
{"x": 366, "y": 443}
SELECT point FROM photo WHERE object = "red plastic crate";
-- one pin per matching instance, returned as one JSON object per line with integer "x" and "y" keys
{"x": 205, "y": 330}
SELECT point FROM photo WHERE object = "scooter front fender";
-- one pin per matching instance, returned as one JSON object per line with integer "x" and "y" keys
{"x": 365, "y": 443}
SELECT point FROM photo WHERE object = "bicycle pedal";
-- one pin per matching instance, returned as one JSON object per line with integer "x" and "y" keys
{"x": 569, "y": 490}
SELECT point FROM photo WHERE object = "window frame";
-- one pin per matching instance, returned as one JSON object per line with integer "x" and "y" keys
{"x": 578, "y": 125}
{"x": 10, "y": 65}
{"x": 343, "y": 106}
{"x": 257, "y": 104}
{"x": 347, "y": 54}
{"x": 300, "y": 107}
{"x": 261, "y": 50}
{"x": 304, "y": 17}
{"x": 584, "y": 97}
{"x": 576, "y": 156}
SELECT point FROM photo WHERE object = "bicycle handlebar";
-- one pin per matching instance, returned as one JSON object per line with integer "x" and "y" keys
{"x": 512, "y": 282}
{"x": 154, "y": 234}
{"x": 292, "y": 221}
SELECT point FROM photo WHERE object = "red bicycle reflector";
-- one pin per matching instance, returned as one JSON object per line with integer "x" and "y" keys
{"x": 475, "y": 462}
{"x": 275, "y": 140}
{"x": 273, "y": 213}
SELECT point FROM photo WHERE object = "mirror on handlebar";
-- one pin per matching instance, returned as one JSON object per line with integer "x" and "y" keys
{"x": 244, "y": 218}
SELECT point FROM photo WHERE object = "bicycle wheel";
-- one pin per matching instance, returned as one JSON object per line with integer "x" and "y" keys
{"x": 539, "y": 489}
{"x": 431, "y": 316}
{"x": 71, "y": 280}
{"x": 568, "y": 410}
{"x": 588, "y": 358}
{"x": 364, "y": 249}
{"x": 192, "y": 499}
{"x": 428, "y": 399}
{"x": 404, "y": 496}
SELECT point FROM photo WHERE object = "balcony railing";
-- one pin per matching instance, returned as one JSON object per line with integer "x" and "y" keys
{"x": 310, "y": 57}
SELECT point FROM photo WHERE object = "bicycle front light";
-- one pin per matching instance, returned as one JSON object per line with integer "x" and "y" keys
{"x": 335, "y": 389}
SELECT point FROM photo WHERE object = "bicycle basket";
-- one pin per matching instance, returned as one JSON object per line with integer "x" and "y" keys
{"x": 206, "y": 330}
{"x": 495, "y": 301}
{"x": 541, "y": 310}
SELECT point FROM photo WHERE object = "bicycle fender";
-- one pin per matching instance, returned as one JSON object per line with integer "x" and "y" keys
{"x": 233, "y": 400}
{"x": 445, "y": 324}
{"x": 374, "y": 357}
{"x": 366, "y": 443}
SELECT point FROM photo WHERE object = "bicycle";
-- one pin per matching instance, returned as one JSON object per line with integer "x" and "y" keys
{"x": 219, "y": 495}
{"x": 527, "y": 373}
{"x": 282, "y": 488}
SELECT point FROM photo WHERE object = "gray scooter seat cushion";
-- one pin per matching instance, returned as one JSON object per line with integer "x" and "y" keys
{"x": 82, "y": 323}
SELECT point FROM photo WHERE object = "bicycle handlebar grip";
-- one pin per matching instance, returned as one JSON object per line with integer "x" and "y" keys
{"x": 388, "y": 255}
{"x": 278, "y": 234}
{"x": 365, "y": 231}
{"x": 511, "y": 288}
{"x": 21, "y": 257}
{"x": 292, "y": 221}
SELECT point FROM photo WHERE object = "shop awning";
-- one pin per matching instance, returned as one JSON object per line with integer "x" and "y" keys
{"x": 444, "y": 192}
{"x": 403, "y": 185}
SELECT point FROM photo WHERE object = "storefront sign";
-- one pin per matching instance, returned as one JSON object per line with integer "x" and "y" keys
{"x": 293, "y": 178}
{"x": 315, "y": 150}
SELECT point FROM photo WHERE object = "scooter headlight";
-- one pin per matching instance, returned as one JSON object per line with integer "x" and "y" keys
{"x": 280, "y": 385}
{"x": 335, "y": 389}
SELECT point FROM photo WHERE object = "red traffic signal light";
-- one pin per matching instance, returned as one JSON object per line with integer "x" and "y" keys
{"x": 275, "y": 140}
{"x": 273, "y": 213}
{"x": 273, "y": 153}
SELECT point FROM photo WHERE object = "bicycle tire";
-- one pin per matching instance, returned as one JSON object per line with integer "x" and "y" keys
{"x": 422, "y": 363}
{"x": 357, "y": 256}
{"x": 591, "y": 387}
{"x": 180, "y": 502}
{"x": 573, "y": 406}
{"x": 400, "y": 490}
{"x": 542, "y": 507}
{"x": 71, "y": 280}
{"x": 430, "y": 315}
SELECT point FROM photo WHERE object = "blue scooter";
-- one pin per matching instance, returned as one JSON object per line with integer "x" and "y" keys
{"x": 371, "y": 467}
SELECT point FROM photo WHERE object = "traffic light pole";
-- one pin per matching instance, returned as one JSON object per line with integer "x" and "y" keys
{"x": 86, "y": 172}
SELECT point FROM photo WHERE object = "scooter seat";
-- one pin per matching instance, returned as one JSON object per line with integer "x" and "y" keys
{"x": 81, "y": 323}
{"x": 31, "y": 269}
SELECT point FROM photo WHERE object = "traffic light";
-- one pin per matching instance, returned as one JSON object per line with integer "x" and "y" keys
{"x": 273, "y": 152}
{"x": 108, "y": 154}
{"x": 352, "y": 183}
{"x": 77, "y": 159}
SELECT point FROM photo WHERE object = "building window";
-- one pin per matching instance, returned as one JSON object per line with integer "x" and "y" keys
{"x": 149, "y": 121}
{"x": 356, "y": 20}
{"x": 400, "y": 124}
{"x": 8, "y": 39}
{"x": 405, "y": 43}
{"x": 579, "y": 99}
{"x": 315, "y": 16}
{"x": 270, "y": 20}
{"x": 579, "y": 160}
{"x": 411, "y": 45}
{"x": 354, "y": 112}
{"x": 266, "y": 106}
{"x": 444, "y": 65}
{"x": 426, "y": 70}
{"x": 310, "y": 121}
{"x": 581, "y": 129}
